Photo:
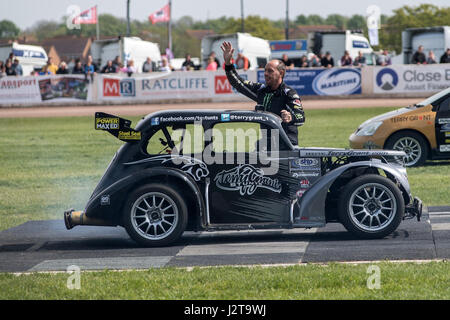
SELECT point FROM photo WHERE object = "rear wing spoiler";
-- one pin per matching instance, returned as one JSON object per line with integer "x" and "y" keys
{"x": 118, "y": 127}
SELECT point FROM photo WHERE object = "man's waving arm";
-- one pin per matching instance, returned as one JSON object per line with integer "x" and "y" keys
{"x": 295, "y": 108}
{"x": 247, "y": 88}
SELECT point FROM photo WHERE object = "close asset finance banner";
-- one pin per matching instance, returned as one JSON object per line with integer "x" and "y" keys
{"x": 411, "y": 78}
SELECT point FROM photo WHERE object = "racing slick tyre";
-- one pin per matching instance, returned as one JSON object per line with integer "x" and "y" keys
{"x": 413, "y": 144}
{"x": 371, "y": 206}
{"x": 155, "y": 215}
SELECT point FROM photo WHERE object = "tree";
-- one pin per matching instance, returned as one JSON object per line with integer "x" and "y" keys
{"x": 8, "y": 29}
{"x": 256, "y": 26}
{"x": 337, "y": 20}
{"x": 357, "y": 22}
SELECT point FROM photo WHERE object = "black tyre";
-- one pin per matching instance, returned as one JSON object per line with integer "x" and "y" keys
{"x": 371, "y": 206}
{"x": 413, "y": 144}
{"x": 155, "y": 215}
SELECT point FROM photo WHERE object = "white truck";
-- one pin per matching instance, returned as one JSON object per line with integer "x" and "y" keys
{"x": 436, "y": 39}
{"x": 127, "y": 48}
{"x": 256, "y": 50}
{"x": 30, "y": 57}
{"x": 337, "y": 42}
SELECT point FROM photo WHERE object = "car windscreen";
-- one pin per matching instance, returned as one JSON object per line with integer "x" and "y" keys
{"x": 434, "y": 98}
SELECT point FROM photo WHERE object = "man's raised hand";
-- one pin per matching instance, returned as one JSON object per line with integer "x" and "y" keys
{"x": 228, "y": 51}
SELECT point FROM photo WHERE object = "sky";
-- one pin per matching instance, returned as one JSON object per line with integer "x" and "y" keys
{"x": 25, "y": 13}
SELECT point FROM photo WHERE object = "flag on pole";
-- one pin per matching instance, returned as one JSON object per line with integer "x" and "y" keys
{"x": 162, "y": 15}
{"x": 87, "y": 17}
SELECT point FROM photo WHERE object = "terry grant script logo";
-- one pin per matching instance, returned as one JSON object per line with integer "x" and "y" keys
{"x": 246, "y": 179}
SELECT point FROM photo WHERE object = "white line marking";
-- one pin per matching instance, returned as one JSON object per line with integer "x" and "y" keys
{"x": 102, "y": 263}
{"x": 440, "y": 226}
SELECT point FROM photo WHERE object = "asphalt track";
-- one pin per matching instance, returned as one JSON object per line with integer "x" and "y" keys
{"x": 48, "y": 246}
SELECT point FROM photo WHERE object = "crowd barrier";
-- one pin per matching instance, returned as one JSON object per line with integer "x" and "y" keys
{"x": 406, "y": 80}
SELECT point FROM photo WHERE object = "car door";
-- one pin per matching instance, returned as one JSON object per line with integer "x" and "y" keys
{"x": 246, "y": 187}
{"x": 443, "y": 126}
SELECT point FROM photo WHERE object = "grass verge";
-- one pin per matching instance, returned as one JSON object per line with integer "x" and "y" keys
{"x": 332, "y": 281}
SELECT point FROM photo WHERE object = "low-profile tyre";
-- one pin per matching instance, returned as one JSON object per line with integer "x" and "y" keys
{"x": 371, "y": 206}
{"x": 413, "y": 144}
{"x": 155, "y": 215}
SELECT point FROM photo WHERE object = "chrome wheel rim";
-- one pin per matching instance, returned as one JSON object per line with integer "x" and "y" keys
{"x": 412, "y": 149}
{"x": 154, "y": 215}
{"x": 372, "y": 207}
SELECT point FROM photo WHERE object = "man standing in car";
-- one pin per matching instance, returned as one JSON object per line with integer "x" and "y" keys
{"x": 273, "y": 96}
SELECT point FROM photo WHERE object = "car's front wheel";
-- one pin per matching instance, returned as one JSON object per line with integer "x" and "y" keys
{"x": 371, "y": 206}
{"x": 413, "y": 144}
{"x": 155, "y": 215}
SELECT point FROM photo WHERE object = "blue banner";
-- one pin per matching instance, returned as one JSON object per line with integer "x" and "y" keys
{"x": 324, "y": 82}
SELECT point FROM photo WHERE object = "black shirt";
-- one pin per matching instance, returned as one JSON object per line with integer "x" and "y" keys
{"x": 325, "y": 62}
{"x": 282, "y": 98}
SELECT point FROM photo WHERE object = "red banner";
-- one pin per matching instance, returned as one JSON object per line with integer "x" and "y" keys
{"x": 162, "y": 15}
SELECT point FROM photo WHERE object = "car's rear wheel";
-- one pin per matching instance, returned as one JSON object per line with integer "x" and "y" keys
{"x": 155, "y": 215}
{"x": 413, "y": 144}
{"x": 371, "y": 206}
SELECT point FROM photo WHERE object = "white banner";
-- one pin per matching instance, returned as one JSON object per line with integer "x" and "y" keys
{"x": 411, "y": 78}
{"x": 19, "y": 90}
{"x": 170, "y": 86}
{"x": 45, "y": 89}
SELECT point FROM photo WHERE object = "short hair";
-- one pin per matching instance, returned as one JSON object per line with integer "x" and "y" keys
{"x": 281, "y": 67}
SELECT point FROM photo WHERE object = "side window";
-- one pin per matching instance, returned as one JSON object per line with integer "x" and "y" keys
{"x": 235, "y": 137}
{"x": 183, "y": 139}
{"x": 445, "y": 105}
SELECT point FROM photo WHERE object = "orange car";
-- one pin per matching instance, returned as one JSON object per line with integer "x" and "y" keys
{"x": 421, "y": 130}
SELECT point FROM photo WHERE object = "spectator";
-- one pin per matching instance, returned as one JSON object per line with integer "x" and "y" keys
{"x": 303, "y": 62}
{"x": 78, "y": 69}
{"x": 89, "y": 68}
{"x": 148, "y": 66}
{"x": 419, "y": 56}
{"x": 313, "y": 60}
{"x": 445, "y": 58}
{"x": 117, "y": 63}
{"x": 187, "y": 65}
{"x": 9, "y": 69}
{"x": 212, "y": 65}
{"x": 91, "y": 61}
{"x": 109, "y": 67}
{"x": 431, "y": 58}
{"x": 165, "y": 65}
{"x": 10, "y": 57}
{"x": 62, "y": 68}
{"x": 242, "y": 61}
{"x": 213, "y": 54}
{"x": 288, "y": 62}
{"x": 360, "y": 60}
{"x": 51, "y": 67}
{"x": 2, "y": 70}
{"x": 327, "y": 61}
{"x": 130, "y": 68}
{"x": 346, "y": 60}
{"x": 17, "y": 67}
{"x": 384, "y": 59}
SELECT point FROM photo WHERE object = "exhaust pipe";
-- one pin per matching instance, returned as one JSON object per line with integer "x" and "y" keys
{"x": 74, "y": 218}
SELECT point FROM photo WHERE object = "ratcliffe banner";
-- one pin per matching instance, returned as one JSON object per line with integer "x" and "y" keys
{"x": 199, "y": 85}
{"x": 411, "y": 78}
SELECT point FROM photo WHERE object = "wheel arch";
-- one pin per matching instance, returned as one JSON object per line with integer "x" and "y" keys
{"x": 178, "y": 179}
{"x": 314, "y": 202}
{"x": 427, "y": 141}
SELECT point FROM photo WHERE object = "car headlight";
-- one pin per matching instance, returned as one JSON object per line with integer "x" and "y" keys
{"x": 369, "y": 129}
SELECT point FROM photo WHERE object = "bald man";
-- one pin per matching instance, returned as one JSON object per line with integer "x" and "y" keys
{"x": 273, "y": 96}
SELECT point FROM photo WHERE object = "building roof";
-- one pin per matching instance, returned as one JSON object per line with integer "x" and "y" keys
{"x": 302, "y": 31}
{"x": 199, "y": 34}
{"x": 69, "y": 47}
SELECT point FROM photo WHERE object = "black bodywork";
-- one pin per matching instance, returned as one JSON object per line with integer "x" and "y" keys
{"x": 303, "y": 192}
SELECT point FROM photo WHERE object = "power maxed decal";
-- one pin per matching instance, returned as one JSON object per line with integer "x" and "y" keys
{"x": 246, "y": 179}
